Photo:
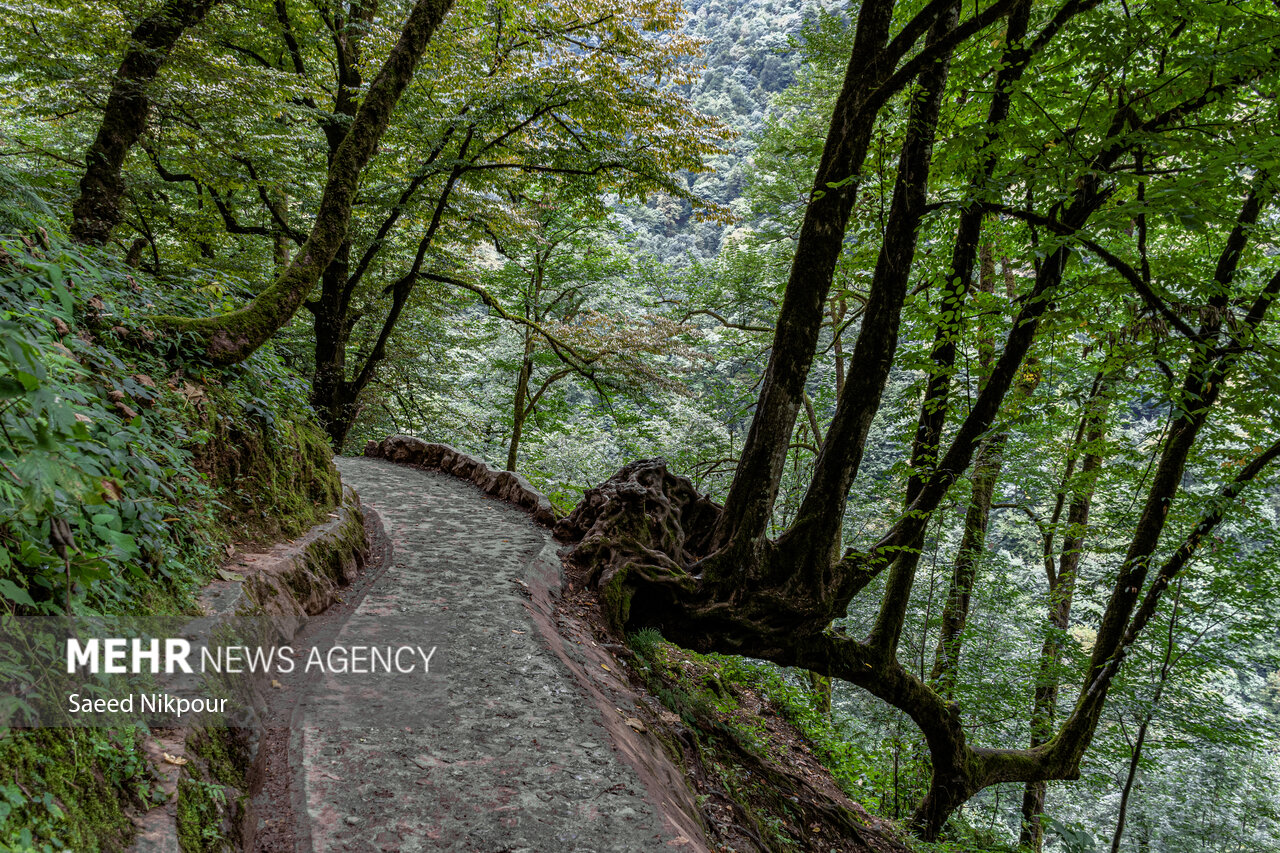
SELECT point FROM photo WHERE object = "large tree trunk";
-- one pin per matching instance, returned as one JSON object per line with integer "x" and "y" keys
{"x": 96, "y": 212}
{"x": 807, "y": 551}
{"x": 330, "y": 396}
{"x": 755, "y": 483}
{"x": 231, "y": 338}
{"x": 336, "y": 398}
{"x": 803, "y": 556}
{"x": 662, "y": 556}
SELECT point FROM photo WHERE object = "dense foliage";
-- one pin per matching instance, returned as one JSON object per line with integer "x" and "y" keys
{"x": 124, "y": 482}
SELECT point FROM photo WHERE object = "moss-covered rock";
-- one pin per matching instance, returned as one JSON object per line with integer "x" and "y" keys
{"x": 273, "y": 470}
{"x": 212, "y": 806}
{"x": 70, "y": 789}
{"x": 203, "y": 826}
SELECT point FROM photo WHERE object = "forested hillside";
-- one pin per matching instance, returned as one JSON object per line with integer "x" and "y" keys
{"x": 915, "y": 362}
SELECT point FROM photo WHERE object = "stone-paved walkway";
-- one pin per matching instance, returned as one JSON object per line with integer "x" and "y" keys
{"x": 496, "y": 749}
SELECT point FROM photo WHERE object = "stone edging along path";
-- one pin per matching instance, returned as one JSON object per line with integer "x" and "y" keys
{"x": 504, "y": 485}
{"x": 264, "y": 598}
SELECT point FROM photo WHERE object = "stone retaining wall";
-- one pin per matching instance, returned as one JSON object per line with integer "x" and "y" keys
{"x": 261, "y": 599}
{"x": 504, "y": 485}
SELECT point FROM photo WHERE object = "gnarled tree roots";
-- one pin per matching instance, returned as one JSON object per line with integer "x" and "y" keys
{"x": 645, "y": 541}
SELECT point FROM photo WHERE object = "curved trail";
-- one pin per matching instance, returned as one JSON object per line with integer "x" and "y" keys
{"x": 497, "y": 750}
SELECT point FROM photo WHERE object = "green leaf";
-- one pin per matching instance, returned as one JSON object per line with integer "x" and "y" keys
{"x": 13, "y": 592}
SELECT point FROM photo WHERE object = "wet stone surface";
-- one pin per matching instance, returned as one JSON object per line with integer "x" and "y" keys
{"x": 496, "y": 749}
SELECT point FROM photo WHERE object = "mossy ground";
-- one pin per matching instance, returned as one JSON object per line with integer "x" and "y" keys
{"x": 274, "y": 474}
{"x": 766, "y": 738}
{"x": 211, "y": 791}
{"x": 777, "y": 770}
{"x": 200, "y": 807}
{"x": 71, "y": 789}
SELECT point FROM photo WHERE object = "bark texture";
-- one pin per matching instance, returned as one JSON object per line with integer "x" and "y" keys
{"x": 96, "y": 212}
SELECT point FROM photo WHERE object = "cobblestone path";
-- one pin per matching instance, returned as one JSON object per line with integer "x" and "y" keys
{"x": 494, "y": 750}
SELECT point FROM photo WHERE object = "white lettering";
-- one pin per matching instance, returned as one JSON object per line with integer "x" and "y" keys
{"x": 258, "y": 659}
{"x": 114, "y": 651}
{"x": 86, "y": 655}
{"x": 175, "y": 653}
{"x": 151, "y": 654}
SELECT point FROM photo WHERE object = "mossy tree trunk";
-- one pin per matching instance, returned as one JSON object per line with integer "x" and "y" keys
{"x": 96, "y": 212}
{"x": 755, "y": 485}
{"x": 332, "y": 317}
{"x": 230, "y": 338}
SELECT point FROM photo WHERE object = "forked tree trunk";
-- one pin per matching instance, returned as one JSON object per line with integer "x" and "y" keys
{"x": 96, "y": 212}
{"x": 662, "y": 556}
{"x": 755, "y": 484}
{"x": 332, "y": 396}
{"x": 230, "y": 338}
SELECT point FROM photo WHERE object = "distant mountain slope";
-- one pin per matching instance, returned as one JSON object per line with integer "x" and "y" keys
{"x": 749, "y": 58}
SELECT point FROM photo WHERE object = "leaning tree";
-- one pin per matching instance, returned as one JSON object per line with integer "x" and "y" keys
{"x": 1094, "y": 141}
{"x": 359, "y": 206}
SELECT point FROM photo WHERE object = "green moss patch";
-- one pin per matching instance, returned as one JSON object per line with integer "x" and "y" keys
{"x": 777, "y": 766}
{"x": 71, "y": 789}
{"x": 201, "y": 806}
{"x": 273, "y": 471}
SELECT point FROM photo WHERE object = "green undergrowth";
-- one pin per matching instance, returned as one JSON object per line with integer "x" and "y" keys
{"x": 151, "y": 462}
{"x": 128, "y": 472}
{"x": 211, "y": 791}
{"x": 69, "y": 789}
{"x": 746, "y": 715}
{"x": 716, "y": 675}
{"x": 727, "y": 702}
{"x": 200, "y": 806}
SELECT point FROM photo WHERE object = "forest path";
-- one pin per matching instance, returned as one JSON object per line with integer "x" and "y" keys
{"x": 497, "y": 748}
